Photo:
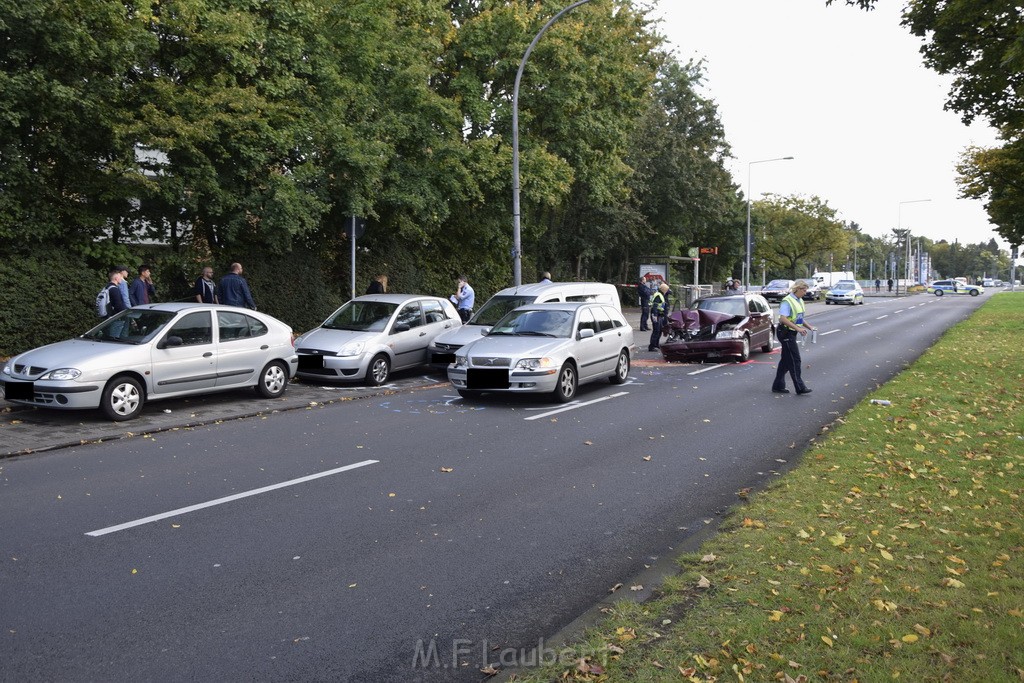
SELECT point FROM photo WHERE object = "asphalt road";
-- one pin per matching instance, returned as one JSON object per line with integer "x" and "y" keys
{"x": 408, "y": 536}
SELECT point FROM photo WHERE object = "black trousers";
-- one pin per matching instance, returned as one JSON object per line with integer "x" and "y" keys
{"x": 645, "y": 314}
{"x": 465, "y": 314}
{"x": 657, "y": 322}
{"x": 790, "y": 361}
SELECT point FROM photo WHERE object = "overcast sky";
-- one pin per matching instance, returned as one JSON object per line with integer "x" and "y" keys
{"x": 843, "y": 91}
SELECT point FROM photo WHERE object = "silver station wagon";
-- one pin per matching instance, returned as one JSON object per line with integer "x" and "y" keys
{"x": 546, "y": 348}
{"x": 152, "y": 352}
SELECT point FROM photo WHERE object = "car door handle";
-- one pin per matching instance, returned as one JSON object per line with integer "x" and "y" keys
{"x": 207, "y": 354}
{"x": 423, "y": 334}
{"x": 264, "y": 347}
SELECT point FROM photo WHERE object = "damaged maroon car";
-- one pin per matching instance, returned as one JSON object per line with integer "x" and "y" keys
{"x": 719, "y": 327}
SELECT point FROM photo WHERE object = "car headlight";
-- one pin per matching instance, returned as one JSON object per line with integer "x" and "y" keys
{"x": 62, "y": 374}
{"x": 728, "y": 334}
{"x": 535, "y": 363}
{"x": 7, "y": 368}
{"x": 352, "y": 349}
{"x": 460, "y": 361}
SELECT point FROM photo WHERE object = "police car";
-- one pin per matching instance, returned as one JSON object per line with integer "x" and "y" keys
{"x": 943, "y": 287}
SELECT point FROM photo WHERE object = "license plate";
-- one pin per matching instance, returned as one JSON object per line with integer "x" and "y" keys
{"x": 19, "y": 391}
{"x": 444, "y": 358}
{"x": 311, "y": 362}
{"x": 481, "y": 378}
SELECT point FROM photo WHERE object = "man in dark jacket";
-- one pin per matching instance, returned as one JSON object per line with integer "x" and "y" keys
{"x": 142, "y": 290}
{"x": 234, "y": 290}
{"x": 644, "y": 292}
{"x": 115, "y": 300}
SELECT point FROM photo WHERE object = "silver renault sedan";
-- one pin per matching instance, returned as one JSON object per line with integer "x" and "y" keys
{"x": 546, "y": 348}
{"x": 372, "y": 335}
{"x": 152, "y": 352}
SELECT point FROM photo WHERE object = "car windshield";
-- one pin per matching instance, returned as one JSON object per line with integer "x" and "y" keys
{"x": 497, "y": 307}
{"x": 778, "y": 284}
{"x": 134, "y": 326}
{"x": 844, "y": 286}
{"x": 535, "y": 323}
{"x": 361, "y": 316}
{"x": 731, "y": 306}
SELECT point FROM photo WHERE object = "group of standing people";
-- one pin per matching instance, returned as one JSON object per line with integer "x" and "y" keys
{"x": 233, "y": 289}
{"x": 121, "y": 295}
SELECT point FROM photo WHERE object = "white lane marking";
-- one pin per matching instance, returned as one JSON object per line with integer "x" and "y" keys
{"x": 227, "y": 499}
{"x": 829, "y": 332}
{"x": 882, "y": 316}
{"x": 864, "y": 322}
{"x": 574, "y": 406}
{"x": 707, "y": 369}
{"x": 899, "y": 311}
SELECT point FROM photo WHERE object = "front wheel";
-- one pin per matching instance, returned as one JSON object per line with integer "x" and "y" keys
{"x": 122, "y": 399}
{"x": 975, "y": 292}
{"x": 828, "y": 301}
{"x": 938, "y": 292}
{"x": 567, "y": 382}
{"x": 379, "y": 370}
{"x": 745, "y": 350}
{"x": 621, "y": 368}
{"x": 273, "y": 380}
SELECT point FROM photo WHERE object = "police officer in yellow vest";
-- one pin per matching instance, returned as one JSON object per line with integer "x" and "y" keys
{"x": 659, "y": 315}
{"x": 791, "y": 324}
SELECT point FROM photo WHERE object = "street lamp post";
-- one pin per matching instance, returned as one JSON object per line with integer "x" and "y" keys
{"x": 746, "y": 260}
{"x": 517, "y": 252}
{"x": 899, "y": 227}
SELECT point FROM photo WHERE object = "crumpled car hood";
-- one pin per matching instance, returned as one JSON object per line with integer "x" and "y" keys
{"x": 693, "y": 320}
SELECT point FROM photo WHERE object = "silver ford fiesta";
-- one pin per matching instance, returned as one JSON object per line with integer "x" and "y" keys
{"x": 546, "y": 348}
{"x": 152, "y": 352}
{"x": 373, "y": 335}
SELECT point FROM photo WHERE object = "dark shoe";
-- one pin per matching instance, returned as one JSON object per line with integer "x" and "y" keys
{"x": 780, "y": 391}
{"x": 804, "y": 391}
{"x": 652, "y": 349}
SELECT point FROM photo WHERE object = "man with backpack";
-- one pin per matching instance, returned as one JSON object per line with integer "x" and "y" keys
{"x": 110, "y": 300}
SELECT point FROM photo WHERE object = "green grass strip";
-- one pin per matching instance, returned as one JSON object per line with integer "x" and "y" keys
{"x": 893, "y": 551}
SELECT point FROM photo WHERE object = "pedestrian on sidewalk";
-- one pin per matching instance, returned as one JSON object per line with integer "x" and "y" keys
{"x": 643, "y": 290}
{"x": 878, "y": 285}
{"x": 234, "y": 290}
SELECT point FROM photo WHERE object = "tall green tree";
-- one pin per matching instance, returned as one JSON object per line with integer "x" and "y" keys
{"x": 65, "y": 165}
{"x": 996, "y": 176}
{"x": 800, "y": 233}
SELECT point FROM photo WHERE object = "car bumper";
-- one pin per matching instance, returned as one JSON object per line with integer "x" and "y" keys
{"x": 541, "y": 381}
{"x": 67, "y": 395}
{"x": 842, "y": 299}
{"x": 713, "y": 348}
{"x": 335, "y": 368}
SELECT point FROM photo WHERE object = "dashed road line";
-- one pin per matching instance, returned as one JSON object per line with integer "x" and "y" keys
{"x": 227, "y": 499}
{"x": 574, "y": 406}
{"x": 882, "y": 316}
{"x": 863, "y": 322}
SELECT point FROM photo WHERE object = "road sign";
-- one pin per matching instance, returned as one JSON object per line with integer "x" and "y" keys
{"x": 709, "y": 250}
{"x": 356, "y": 224}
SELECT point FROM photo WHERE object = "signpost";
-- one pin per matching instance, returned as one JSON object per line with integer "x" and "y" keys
{"x": 354, "y": 227}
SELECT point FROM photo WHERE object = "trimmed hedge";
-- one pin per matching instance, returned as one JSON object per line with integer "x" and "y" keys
{"x": 45, "y": 297}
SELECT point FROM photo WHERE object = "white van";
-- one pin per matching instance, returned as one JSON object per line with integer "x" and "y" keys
{"x": 826, "y": 279}
{"x": 442, "y": 349}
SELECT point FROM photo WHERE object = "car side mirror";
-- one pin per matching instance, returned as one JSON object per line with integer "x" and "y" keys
{"x": 401, "y": 327}
{"x": 484, "y": 331}
{"x": 171, "y": 340}
{"x": 586, "y": 333}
